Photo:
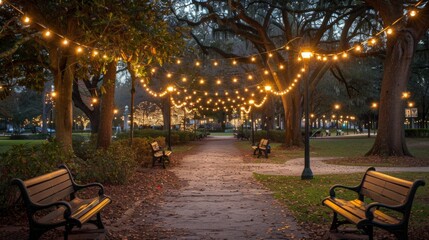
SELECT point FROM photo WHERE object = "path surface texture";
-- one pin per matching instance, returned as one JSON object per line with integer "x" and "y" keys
{"x": 220, "y": 200}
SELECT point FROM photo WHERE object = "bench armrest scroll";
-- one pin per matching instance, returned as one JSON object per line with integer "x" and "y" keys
{"x": 332, "y": 190}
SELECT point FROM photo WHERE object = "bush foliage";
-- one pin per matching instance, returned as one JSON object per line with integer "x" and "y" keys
{"x": 27, "y": 161}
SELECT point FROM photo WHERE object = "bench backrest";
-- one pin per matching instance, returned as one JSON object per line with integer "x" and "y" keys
{"x": 155, "y": 146}
{"x": 47, "y": 188}
{"x": 263, "y": 143}
{"x": 389, "y": 190}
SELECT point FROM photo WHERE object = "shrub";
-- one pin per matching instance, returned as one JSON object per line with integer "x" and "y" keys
{"x": 115, "y": 165}
{"x": 421, "y": 132}
{"x": 38, "y": 136}
{"x": 27, "y": 161}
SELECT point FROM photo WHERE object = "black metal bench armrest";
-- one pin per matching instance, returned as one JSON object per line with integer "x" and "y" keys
{"x": 67, "y": 211}
{"x": 332, "y": 190}
{"x": 79, "y": 187}
{"x": 375, "y": 205}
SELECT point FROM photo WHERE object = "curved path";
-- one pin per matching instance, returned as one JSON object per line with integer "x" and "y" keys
{"x": 220, "y": 199}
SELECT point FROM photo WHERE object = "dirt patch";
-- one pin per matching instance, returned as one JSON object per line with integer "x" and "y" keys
{"x": 381, "y": 161}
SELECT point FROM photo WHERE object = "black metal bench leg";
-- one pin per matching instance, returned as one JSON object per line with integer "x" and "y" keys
{"x": 370, "y": 230}
{"x": 99, "y": 222}
{"x": 334, "y": 225}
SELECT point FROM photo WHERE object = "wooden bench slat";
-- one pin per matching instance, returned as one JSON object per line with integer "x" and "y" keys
{"x": 37, "y": 188}
{"x": 54, "y": 193}
{"x": 45, "y": 177}
{"x": 398, "y": 181}
{"x": 396, "y": 186}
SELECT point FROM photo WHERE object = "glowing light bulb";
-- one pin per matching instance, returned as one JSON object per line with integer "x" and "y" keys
{"x": 253, "y": 59}
{"x": 345, "y": 55}
{"x": 234, "y": 62}
{"x": 65, "y": 42}
{"x": 413, "y": 13}
{"x": 184, "y": 79}
{"x": 178, "y": 61}
{"x": 47, "y": 33}
{"x": 389, "y": 31}
{"x": 94, "y": 53}
{"x": 79, "y": 50}
{"x": 26, "y": 19}
{"x": 197, "y": 63}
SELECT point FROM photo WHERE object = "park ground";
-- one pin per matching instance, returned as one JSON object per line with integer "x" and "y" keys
{"x": 216, "y": 189}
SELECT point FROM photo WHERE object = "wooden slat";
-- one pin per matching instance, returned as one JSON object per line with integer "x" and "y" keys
{"x": 30, "y": 182}
{"x": 335, "y": 207}
{"x": 388, "y": 178}
{"x": 36, "y": 188}
{"x": 57, "y": 195}
{"x": 53, "y": 191}
{"x": 400, "y": 189}
{"x": 379, "y": 198}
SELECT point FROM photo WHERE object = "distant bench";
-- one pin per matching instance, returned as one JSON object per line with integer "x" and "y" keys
{"x": 51, "y": 202}
{"x": 388, "y": 194}
{"x": 262, "y": 148}
{"x": 159, "y": 155}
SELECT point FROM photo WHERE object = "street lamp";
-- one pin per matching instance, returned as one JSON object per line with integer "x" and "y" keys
{"x": 374, "y": 106}
{"x": 306, "y": 173}
{"x": 170, "y": 89}
{"x": 251, "y": 102}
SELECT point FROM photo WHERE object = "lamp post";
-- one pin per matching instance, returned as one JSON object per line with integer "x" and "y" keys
{"x": 251, "y": 102}
{"x": 170, "y": 89}
{"x": 306, "y": 173}
{"x": 374, "y": 107}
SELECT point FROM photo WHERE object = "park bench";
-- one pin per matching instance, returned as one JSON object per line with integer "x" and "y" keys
{"x": 262, "y": 147}
{"x": 159, "y": 155}
{"x": 51, "y": 201}
{"x": 327, "y": 132}
{"x": 382, "y": 201}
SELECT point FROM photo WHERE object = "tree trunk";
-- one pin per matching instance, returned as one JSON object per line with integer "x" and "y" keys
{"x": 63, "y": 69}
{"x": 166, "y": 112}
{"x": 390, "y": 140}
{"x": 93, "y": 115}
{"x": 292, "y": 108}
{"x": 104, "y": 136}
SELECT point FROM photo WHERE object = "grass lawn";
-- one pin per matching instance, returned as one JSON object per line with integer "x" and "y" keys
{"x": 221, "y": 134}
{"x": 6, "y": 144}
{"x": 303, "y": 198}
